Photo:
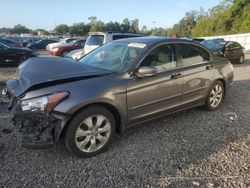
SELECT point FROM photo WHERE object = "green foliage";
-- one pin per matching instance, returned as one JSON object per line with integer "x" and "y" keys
{"x": 61, "y": 29}
{"x": 125, "y": 26}
{"x": 159, "y": 32}
{"x": 186, "y": 24}
{"x": 18, "y": 29}
{"x": 113, "y": 26}
{"x": 229, "y": 17}
{"x": 5, "y": 30}
{"x": 79, "y": 29}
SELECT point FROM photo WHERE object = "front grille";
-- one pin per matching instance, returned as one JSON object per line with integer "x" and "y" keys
{"x": 43, "y": 117}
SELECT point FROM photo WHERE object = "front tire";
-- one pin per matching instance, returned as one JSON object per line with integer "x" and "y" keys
{"x": 215, "y": 96}
{"x": 90, "y": 132}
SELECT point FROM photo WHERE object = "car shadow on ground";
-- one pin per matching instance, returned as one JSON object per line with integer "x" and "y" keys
{"x": 245, "y": 64}
{"x": 144, "y": 155}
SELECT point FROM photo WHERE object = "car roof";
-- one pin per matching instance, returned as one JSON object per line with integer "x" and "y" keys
{"x": 1, "y": 44}
{"x": 154, "y": 39}
{"x": 113, "y": 33}
{"x": 5, "y": 39}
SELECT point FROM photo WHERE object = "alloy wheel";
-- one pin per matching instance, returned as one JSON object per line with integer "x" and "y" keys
{"x": 216, "y": 96}
{"x": 93, "y": 133}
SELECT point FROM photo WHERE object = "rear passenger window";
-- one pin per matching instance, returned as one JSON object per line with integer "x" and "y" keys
{"x": 191, "y": 54}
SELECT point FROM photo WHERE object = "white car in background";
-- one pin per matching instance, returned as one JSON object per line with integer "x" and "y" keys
{"x": 74, "y": 54}
{"x": 57, "y": 44}
{"x": 96, "y": 39}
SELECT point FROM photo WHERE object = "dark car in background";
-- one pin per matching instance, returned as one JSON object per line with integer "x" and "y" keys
{"x": 63, "y": 49}
{"x": 41, "y": 44}
{"x": 228, "y": 49}
{"x": 119, "y": 84}
{"x": 30, "y": 41}
{"x": 10, "y": 43}
{"x": 10, "y": 56}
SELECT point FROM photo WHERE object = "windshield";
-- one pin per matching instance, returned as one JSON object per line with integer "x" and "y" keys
{"x": 214, "y": 45}
{"x": 3, "y": 45}
{"x": 95, "y": 40}
{"x": 72, "y": 42}
{"x": 39, "y": 41}
{"x": 115, "y": 57}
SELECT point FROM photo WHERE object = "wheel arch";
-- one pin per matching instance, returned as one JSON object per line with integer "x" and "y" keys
{"x": 117, "y": 115}
{"x": 224, "y": 85}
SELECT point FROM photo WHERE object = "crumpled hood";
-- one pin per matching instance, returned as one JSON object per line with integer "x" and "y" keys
{"x": 46, "y": 71}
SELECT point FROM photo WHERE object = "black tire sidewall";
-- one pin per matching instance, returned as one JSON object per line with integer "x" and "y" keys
{"x": 208, "y": 105}
{"x": 69, "y": 137}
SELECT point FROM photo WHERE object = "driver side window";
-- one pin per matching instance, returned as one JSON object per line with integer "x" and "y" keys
{"x": 162, "y": 58}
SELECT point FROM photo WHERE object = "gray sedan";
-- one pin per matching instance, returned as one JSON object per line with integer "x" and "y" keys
{"x": 117, "y": 85}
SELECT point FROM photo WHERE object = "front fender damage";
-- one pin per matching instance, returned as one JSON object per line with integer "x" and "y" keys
{"x": 39, "y": 130}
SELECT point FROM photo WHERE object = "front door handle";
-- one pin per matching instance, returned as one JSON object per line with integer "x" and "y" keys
{"x": 176, "y": 75}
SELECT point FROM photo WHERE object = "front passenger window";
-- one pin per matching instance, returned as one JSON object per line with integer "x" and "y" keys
{"x": 162, "y": 58}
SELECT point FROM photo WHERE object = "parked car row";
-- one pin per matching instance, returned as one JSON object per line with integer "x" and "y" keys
{"x": 88, "y": 101}
{"x": 11, "y": 56}
{"x": 41, "y": 44}
{"x": 49, "y": 47}
{"x": 63, "y": 49}
{"x": 10, "y": 43}
{"x": 76, "y": 48}
{"x": 228, "y": 49}
{"x": 96, "y": 39}
{"x": 13, "y": 53}
{"x": 30, "y": 41}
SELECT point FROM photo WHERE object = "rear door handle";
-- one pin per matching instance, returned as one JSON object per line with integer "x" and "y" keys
{"x": 176, "y": 75}
{"x": 209, "y": 67}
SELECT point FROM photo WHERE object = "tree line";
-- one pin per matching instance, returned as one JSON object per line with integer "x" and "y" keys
{"x": 94, "y": 24}
{"x": 229, "y": 17}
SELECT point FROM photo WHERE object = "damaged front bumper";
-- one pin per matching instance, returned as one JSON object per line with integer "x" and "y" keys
{"x": 39, "y": 129}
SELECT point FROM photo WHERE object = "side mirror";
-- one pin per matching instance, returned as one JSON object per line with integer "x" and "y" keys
{"x": 146, "y": 72}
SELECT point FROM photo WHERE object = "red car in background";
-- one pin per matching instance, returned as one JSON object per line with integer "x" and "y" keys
{"x": 63, "y": 49}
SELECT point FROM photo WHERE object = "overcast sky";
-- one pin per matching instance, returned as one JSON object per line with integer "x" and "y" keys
{"x": 49, "y": 13}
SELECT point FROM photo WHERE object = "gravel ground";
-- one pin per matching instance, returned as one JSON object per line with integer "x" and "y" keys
{"x": 193, "y": 148}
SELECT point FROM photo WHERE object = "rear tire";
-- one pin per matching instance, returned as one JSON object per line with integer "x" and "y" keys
{"x": 90, "y": 132}
{"x": 215, "y": 96}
